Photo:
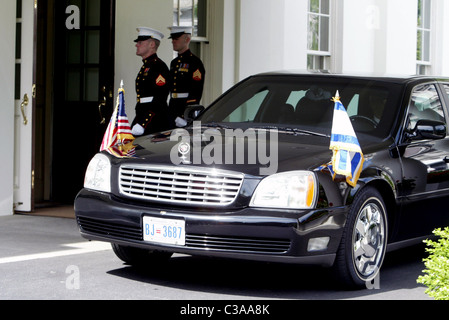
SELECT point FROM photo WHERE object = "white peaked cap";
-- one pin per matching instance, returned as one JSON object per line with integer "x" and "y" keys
{"x": 175, "y": 30}
{"x": 148, "y": 33}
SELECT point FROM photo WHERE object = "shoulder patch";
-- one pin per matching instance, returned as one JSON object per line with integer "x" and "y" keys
{"x": 197, "y": 75}
{"x": 160, "y": 81}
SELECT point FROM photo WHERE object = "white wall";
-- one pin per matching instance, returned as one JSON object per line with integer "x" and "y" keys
{"x": 261, "y": 40}
{"x": 155, "y": 14}
{"x": 362, "y": 36}
{"x": 253, "y": 36}
{"x": 271, "y": 35}
{"x": 7, "y": 71}
{"x": 379, "y": 36}
{"x": 295, "y": 25}
{"x": 401, "y": 41}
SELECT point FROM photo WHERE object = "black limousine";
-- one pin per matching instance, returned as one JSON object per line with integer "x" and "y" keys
{"x": 248, "y": 178}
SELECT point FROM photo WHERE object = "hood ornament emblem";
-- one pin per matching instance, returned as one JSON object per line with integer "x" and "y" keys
{"x": 184, "y": 150}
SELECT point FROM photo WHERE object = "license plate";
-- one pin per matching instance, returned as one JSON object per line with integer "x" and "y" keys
{"x": 164, "y": 231}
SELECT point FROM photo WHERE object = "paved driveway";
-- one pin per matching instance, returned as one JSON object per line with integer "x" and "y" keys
{"x": 46, "y": 258}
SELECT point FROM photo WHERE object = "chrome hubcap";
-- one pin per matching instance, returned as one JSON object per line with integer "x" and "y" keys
{"x": 369, "y": 240}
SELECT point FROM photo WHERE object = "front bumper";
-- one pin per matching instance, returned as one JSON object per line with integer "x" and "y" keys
{"x": 248, "y": 233}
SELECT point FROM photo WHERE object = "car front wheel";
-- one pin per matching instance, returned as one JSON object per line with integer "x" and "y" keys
{"x": 363, "y": 246}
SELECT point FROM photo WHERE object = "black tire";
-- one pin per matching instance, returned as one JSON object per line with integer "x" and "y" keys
{"x": 138, "y": 257}
{"x": 364, "y": 241}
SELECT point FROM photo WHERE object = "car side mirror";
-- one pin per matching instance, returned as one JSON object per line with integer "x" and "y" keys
{"x": 192, "y": 112}
{"x": 428, "y": 129}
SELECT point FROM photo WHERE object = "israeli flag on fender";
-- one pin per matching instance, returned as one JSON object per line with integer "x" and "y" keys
{"x": 348, "y": 158}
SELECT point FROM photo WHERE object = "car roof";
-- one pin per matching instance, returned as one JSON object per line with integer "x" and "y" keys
{"x": 399, "y": 79}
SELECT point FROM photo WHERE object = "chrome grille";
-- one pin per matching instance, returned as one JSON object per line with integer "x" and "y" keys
{"x": 180, "y": 185}
{"x": 252, "y": 245}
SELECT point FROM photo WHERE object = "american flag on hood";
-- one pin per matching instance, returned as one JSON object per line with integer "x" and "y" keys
{"x": 118, "y": 139}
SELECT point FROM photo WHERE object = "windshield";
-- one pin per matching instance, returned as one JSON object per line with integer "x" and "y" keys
{"x": 304, "y": 103}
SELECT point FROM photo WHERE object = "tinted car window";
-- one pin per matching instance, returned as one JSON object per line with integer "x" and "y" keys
{"x": 306, "y": 102}
{"x": 247, "y": 111}
{"x": 425, "y": 104}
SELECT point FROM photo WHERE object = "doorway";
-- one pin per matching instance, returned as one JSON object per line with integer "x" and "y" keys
{"x": 74, "y": 100}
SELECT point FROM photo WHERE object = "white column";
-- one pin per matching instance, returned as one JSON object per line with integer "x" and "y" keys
{"x": 363, "y": 40}
{"x": 272, "y": 35}
{"x": 401, "y": 36}
{"x": 379, "y": 36}
{"x": 440, "y": 34}
{"x": 223, "y": 46}
{"x": 295, "y": 26}
{"x": 7, "y": 76}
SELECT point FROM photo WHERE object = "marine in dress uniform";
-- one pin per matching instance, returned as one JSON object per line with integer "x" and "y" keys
{"x": 152, "y": 88}
{"x": 187, "y": 75}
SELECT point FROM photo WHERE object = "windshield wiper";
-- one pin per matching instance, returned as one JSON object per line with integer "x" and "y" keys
{"x": 294, "y": 131}
{"x": 218, "y": 125}
{"x": 287, "y": 130}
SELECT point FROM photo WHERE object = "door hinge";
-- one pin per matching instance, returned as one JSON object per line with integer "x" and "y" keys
{"x": 32, "y": 180}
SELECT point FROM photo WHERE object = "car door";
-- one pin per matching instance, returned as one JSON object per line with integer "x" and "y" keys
{"x": 425, "y": 184}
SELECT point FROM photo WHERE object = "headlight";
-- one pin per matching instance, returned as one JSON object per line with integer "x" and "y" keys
{"x": 98, "y": 174}
{"x": 291, "y": 190}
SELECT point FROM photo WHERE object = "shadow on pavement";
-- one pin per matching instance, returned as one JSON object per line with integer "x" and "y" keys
{"x": 278, "y": 281}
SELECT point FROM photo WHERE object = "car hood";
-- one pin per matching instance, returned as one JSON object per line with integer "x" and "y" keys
{"x": 261, "y": 153}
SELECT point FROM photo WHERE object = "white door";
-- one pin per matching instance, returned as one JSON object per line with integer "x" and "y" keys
{"x": 23, "y": 153}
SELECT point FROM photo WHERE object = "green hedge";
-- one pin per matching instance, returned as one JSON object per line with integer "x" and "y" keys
{"x": 436, "y": 276}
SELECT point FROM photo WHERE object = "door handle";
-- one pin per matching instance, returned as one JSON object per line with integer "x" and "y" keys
{"x": 24, "y": 103}
{"x": 102, "y": 104}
